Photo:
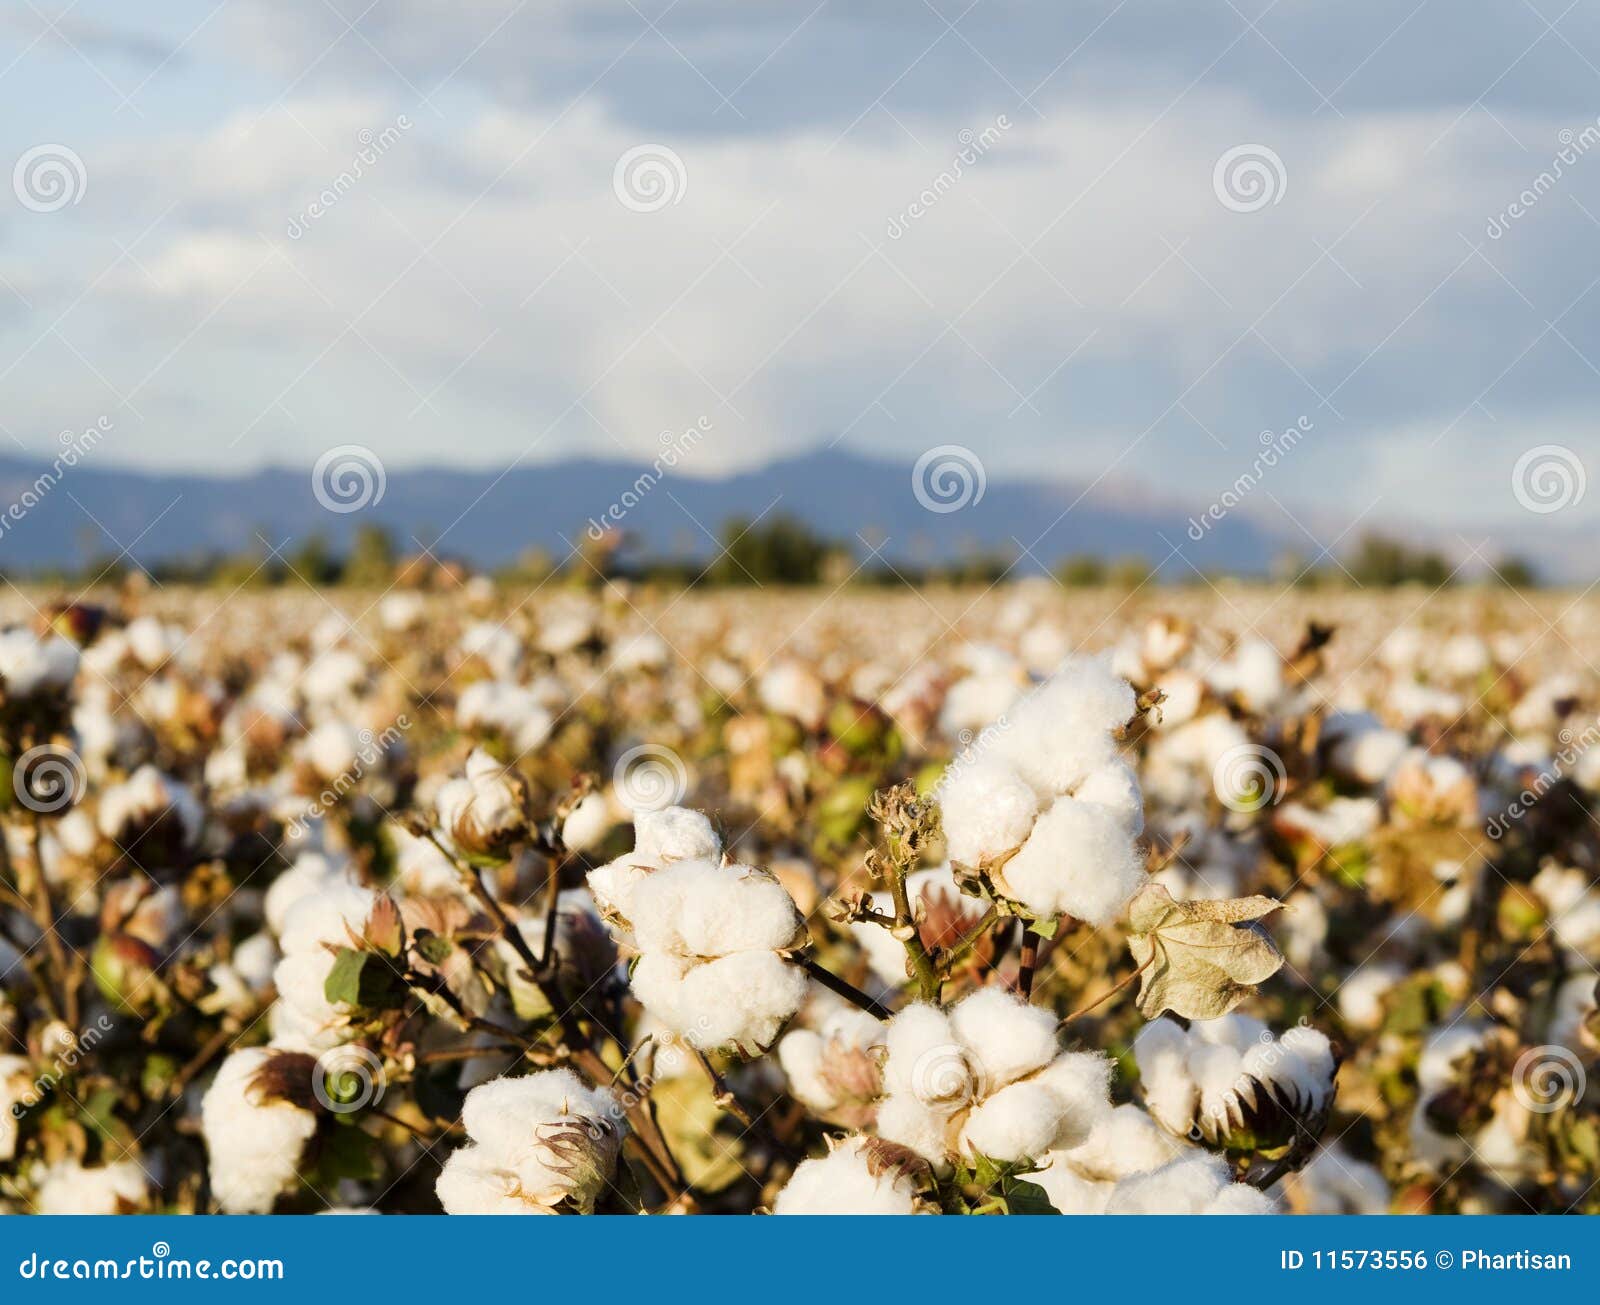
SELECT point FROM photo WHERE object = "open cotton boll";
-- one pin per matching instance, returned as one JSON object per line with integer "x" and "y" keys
{"x": 254, "y": 1144}
{"x": 1005, "y": 1038}
{"x": 832, "y": 1069}
{"x": 332, "y": 749}
{"x": 586, "y": 824}
{"x": 793, "y": 689}
{"x": 1195, "y": 1183}
{"x": 1071, "y": 1192}
{"x": 847, "y": 1182}
{"x": 1124, "y": 1142}
{"x": 741, "y": 1001}
{"x": 1115, "y": 785}
{"x": 674, "y": 834}
{"x": 987, "y": 809}
{"x": 1080, "y": 860}
{"x": 68, "y": 1187}
{"x": 1063, "y": 730}
{"x": 1334, "y": 1182}
{"x": 30, "y": 666}
{"x": 702, "y": 908}
{"x": 310, "y": 873}
{"x": 1016, "y": 1123}
{"x": 537, "y": 1145}
{"x": 326, "y": 915}
{"x": 924, "y": 1060}
{"x": 482, "y": 812}
{"x": 910, "y": 1123}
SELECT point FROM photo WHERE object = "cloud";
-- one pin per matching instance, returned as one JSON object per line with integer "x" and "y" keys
{"x": 881, "y": 262}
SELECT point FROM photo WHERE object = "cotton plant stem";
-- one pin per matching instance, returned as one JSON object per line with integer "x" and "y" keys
{"x": 963, "y": 949}
{"x": 66, "y": 979}
{"x": 724, "y": 1097}
{"x": 920, "y": 964}
{"x": 852, "y": 994}
{"x": 552, "y": 904}
{"x": 1027, "y": 960}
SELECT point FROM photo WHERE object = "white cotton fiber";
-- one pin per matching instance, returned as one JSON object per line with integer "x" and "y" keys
{"x": 987, "y": 809}
{"x": 254, "y": 1145}
{"x": 904, "y": 1119}
{"x": 1080, "y": 860}
{"x": 703, "y": 908}
{"x": 742, "y": 1001}
{"x": 1237, "y": 1198}
{"x": 1016, "y": 1123}
{"x": 1126, "y": 1141}
{"x": 1004, "y": 1037}
{"x": 1185, "y": 1186}
{"x": 844, "y": 1183}
{"x": 1115, "y": 785}
{"x": 674, "y": 834}
{"x": 919, "y": 1038}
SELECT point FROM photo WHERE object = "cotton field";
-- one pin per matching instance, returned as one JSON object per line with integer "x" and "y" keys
{"x": 617, "y": 899}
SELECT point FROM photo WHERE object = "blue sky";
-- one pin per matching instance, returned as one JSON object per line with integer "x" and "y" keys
{"x": 1081, "y": 301}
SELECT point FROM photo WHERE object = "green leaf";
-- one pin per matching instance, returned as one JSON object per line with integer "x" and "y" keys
{"x": 363, "y": 979}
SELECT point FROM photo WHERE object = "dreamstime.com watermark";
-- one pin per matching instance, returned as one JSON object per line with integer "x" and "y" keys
{"x": 1274, "y": 448}
{"x": 374, "y": 145}
{"x": 61, "y": 1066}
{"x": 74, "y": 445}
{"x": 1574, "y": 145}
{"x": 974, "y": 145}
{"x": 160, "y": 1265}
{"x": 673, "y": 449}
{"x": 371, "y": 749}
{"x": 1565, "y": 757}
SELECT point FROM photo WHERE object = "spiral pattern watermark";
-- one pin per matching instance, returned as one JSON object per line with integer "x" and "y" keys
{"x": 48, "y": 178}
{"x": 1248, "y": 777}
{"x": 48, "y": 779}
{"x": 943, "y": 1078}
{"x": 1547, "y": 1079}
{"x": 348, "y": 1078}
{"x": 649, "y": 178}
{"x": 1248, "y": 178}
{"x": 1549, "y": 477}
{"x": 348, "y": 478}
{"x": 160, "y": 1250}
{"x": 947, "y": 478}
{"x": 650, "y": 778}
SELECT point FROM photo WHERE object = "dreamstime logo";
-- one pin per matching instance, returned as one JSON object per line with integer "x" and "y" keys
{"x": 947, "y": 478}
{"x": 673, "y": 447}
{"x": 649, "y": 178}
{"x": 1248, "y": 777}
{"x": 1574, "y": 145}
{"x": 48, "y": 779}
{"x": 943, "y": 1078}
{"x": 48, "y": 178}
{"x": 373, "y": 146}
{"x": 650, "y": 778}
{"x": 1248, "y": 178}
{"x": 974, "y": 145}
{"x": 1547, "y": 478}
{"x": 348, "y": 1078}
{"x": 1547, "y": 1079}
{"x": 371, "y": 749}
{"x": 65, "y": 1062}
{"x": 1274, "y": 447}
{"x": 73, "y": 446}
{"x": 348, "y": 478}
{"x": 1573, "y": 746}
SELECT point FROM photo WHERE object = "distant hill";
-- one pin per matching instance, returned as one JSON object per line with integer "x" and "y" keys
{"x": 489, "y": 518}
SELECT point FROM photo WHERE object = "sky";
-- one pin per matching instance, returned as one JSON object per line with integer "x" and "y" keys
{"x": 1114, "y": 241}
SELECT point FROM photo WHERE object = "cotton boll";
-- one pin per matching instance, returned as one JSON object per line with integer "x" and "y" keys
{"x": 538, "y": 1144}
{"x": 701, "y": 908}
{"x": 925, "y": 1061}
{"x": 1019, "y": 1122}
{"x": 1185, "y": 1186}
{"x": 674, "y": 834}
{"x": 832, "y": 1070}
{"x": 1115, "y": 785}
{"x": 741, "y": 1001}
{"x": 987, "y": 809}
{"x": 1004, "y": 1037}
{"x": 1124, "y": 1142}
{"x": 657, "y": 983}
{"x": 1060, "y": 733}
{"x": 905, "y": 1120}
{"x": 483, "y": 811}
{"x": 1253, "y": 675}
{"x": 792, "y": 689}
{"x": 1069, "y": 1191}
{"x": 327, "y": 915}
{"x": 847, "y": 1182}
{"x": 1334, "y": 1182}
{"x": 1361, "y": 995}
{"x": 586, "y": 824}
{"x": 1080, "y": 860}
{"x": 1238, "y": 1198}
{"x": 310, "y": 873}
{"x": 972, "y": 703}
{"x": 254, "y": 1144}
{"x": 70, "y": 1188}
{"x": 332, "y": 749}
{"x": 1082, "y": 1080}
{"x": 1369, "y": 756}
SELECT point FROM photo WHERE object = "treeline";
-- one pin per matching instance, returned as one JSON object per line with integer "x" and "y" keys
{"x": 774, "y": 550}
